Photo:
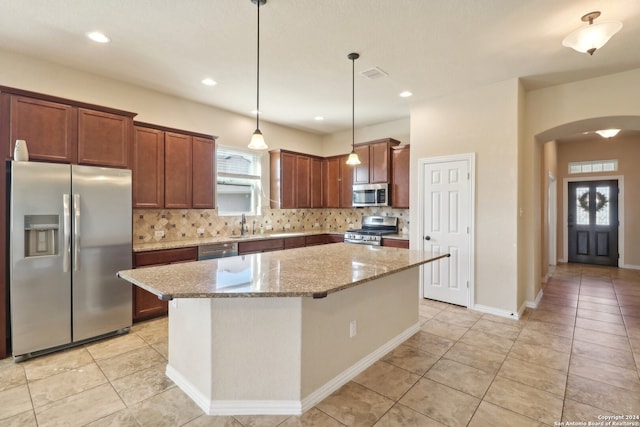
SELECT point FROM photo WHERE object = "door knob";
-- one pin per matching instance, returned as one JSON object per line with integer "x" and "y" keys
{"x": 427, "y": 237}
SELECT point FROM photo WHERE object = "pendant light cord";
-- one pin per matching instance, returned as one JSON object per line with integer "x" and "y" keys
{"x": 353, "y": 104}
{"x": 258, "y": 72}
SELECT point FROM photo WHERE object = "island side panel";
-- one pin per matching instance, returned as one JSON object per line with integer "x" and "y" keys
{"x": 383, "y": 309}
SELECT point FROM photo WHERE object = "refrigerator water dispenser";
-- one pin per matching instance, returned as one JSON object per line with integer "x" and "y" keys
{"x": 40, "y": 235}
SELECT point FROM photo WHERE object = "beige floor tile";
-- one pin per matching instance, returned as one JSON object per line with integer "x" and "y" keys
{"x": 461, "y": 317}
{"x": 143, "y": 384}
{"x": 153, "y": 333}
{"x": 489, "y": 341}
{"x": 430, "y": 343}
{"x": 114, "y": 346}
{"x": 130, "y": 362}
{"x": 602, "y": 338}
{"x": 11, "y": 374}
{"x": 477, "y": 357}
{"x": 596, "y": 325}
{"x": 260, "y": 420}
{"x": 67, "y": 383}
{"x": 219, "y": 421}
{"x": 525, "y": 400}
{"x": 433, "y": 303}
{"x": 500, "y": 329}
{"x": 577, "y": 412}
{"x": 598, "y": 300}
{"x": 15, "y": 401}
{"x": 410, "y": 359}
{"x": 492, "y": 415}
{"x": 565, "y": 331}
{"x": 23, "y": 419}
{"x": 597, "y": 292}
{"x": 122, "y": 418}
{"x": 565, "y": 301}
{"x": 427, "y": 311}
{"x": 520, "y": 323}
{"x": 441, "y": 403}
{"x": 461, "y": 377}
{"x": 623, "y": 359}
{"x": 553, "y": 317}
{"x": 169, "y": 408}
{"x": 443, "y": 329}
{"x": 355, "y": 405}
{"x": 54, "y": 363}
{"x": 625, "y": 300}
{"x": 601, "y": 316}
{"x": 555, "y": 308}
{"x": 162, "y": 348}
{"x": 543, "y": 356}
{"x": 605, "y": 373}
{"x": 611, "y": 309}
{"x": 553, "y": 342}
{"x": 601, "y": 395}
{"x": 312, "y": 418}
{"x": 387, "y": 379}
{"x": 535, "y": 375}
{"x": 401, "y": 415}
{"x": 630, "y": 311}
{"x": 81, "y": 408}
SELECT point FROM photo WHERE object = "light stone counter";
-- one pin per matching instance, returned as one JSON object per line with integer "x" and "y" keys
{"x": 313, "y": 271}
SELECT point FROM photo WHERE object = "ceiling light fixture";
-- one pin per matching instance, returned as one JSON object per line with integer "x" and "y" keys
{"x": 209, "y": 82}
{"x": 608, "y": 133}
{"x": 592, "y": 37}
{"x": 353, "y": 157}
{"x": 98, "y": 37}
{"x": 318, "y": 118}
{"x": 257, "y": 140}
{"x": 405, "y": 94}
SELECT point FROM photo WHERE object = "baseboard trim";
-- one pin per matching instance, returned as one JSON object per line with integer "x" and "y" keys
{"x": 287, "y": 407}
{"x": 496, "y": 311}
{"x": 534, "y": 304}
{"x": 631, "y": 266}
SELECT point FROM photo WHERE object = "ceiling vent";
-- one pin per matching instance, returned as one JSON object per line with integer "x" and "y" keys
{"x": 373, "y": 73}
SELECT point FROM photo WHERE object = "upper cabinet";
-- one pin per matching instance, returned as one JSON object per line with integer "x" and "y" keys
{"x": 400, "y": 176}
{"x": 172, "y": 169}
{"x": 337, "y": 182}
{"x": 63, "y": 131}
{"x": 375, "y": 158}
{"x": 295, "y": 180}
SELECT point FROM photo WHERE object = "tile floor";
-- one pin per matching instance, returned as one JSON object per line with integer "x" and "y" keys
{"x": 574, "y": 358}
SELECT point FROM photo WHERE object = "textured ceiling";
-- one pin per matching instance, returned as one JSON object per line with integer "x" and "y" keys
{"x": 431, "y": 47}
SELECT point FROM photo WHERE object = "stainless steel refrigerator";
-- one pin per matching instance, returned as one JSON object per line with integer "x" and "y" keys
{"x": 70, "y": 233}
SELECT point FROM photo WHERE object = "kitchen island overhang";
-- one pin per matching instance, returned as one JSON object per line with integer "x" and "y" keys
{"x": 247, "y": 336}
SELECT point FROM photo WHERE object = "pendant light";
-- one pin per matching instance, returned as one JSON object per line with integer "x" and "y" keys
{"x": 593, "y": 36}
{"x": 257, "y": 140}
{"x": 353, "y": 157}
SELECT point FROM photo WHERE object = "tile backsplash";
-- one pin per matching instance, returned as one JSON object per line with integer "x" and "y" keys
{"x": 153, "y": 225}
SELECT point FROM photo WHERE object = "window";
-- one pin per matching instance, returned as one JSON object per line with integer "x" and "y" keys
{"x": 593, "y": 167}
{"x": 238, "y": 182}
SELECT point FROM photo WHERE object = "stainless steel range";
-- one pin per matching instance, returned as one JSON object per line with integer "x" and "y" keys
{"x": 373, "y": 228}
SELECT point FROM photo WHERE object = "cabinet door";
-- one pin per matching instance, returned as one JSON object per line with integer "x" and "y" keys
{"x": 148, "y": 168}
{"x": 302, "y": 183}
{"x": 316, "y": 183}
{"x": 287, "y": 181}
{"x": 400, "y": 174}
{"x": 203, "y": 173}
{"x": 379, "y": 163}
{"x": 177, "y": 175}
{"x": 332, "y": 183}
{"x": 104, "y": 139}
{"x": 50, "y": 129}
{"x": 361, "y": 171}
{"x": 346, "y": 183}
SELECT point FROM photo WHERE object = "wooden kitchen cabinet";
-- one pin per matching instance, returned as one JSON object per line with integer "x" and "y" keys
{"x": 145, "y": 304}
{"x": 263, "y": 245}
{"x": 302, "y": 183}
{"x": 337, "y": 182}
{"x": 400, "y": 164}
{"x": 395, "y": 243}
{"x": 295, "y": 180}
{"x": 177, "y": 167}
{"x": 203, "y": 173}
{"x": 375, "y": 158}
{"x": 104, "y": 139}
{"x": 316, "y": 182}
{"x": 148, "y": 168}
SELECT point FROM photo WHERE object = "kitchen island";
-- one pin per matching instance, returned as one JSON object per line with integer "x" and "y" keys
{"x": 277, "y": 332}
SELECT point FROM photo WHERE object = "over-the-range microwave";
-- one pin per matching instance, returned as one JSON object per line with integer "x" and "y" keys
{"x": 370, "y": 195}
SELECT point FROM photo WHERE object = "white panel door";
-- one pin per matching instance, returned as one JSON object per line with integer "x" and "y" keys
{"x": 446, "y": 229}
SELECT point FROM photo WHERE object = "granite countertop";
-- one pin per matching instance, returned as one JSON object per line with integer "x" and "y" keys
{"x": 312, "y": 271}
{"x": 153, "y": 246}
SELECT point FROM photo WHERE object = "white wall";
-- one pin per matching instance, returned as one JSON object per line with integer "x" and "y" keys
{"x": 484, "y": 121}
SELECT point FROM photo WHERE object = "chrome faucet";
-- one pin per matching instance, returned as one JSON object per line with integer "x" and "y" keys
{"x": 243, "y": 223}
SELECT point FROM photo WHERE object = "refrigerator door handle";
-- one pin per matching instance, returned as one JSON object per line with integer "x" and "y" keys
{"x": 66, "y": 254}
{"x": 76, "y": 232}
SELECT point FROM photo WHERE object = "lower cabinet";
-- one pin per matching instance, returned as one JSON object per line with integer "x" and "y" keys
{"x": 145, "y": 304}
{"x": 266, "y": 245}
{"x": 395, "y": 243}
{"x": 257, "y": 246}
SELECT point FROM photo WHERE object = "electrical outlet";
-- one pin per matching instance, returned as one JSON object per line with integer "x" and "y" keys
{"x": 353, "y": 329}
{"x": 287, "y": 226}
{"x": 200, "y": 230}
{"x": 269, "y": 227}
{"x": 316, "y": 225}
{"x": 159, "y": 233}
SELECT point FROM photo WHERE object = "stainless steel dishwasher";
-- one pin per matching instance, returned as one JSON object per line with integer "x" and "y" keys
{"x": 217, "y": 250}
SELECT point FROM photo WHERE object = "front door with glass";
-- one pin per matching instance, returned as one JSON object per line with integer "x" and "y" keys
{"x": 593, "y": 222}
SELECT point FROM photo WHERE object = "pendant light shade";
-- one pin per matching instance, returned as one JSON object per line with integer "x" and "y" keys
{"x": 257, "y": 140}
{"x": 353, "y": 158}
{"x": 592, "y": 37}
{"x": 608, "y": 133}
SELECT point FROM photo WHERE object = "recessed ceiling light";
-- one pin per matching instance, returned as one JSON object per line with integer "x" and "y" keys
{"x": 98, "y": 37}
{"x": 405, "y": 94}
{"x": 209, "y": 82}
{"x": 318, "y": 118}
